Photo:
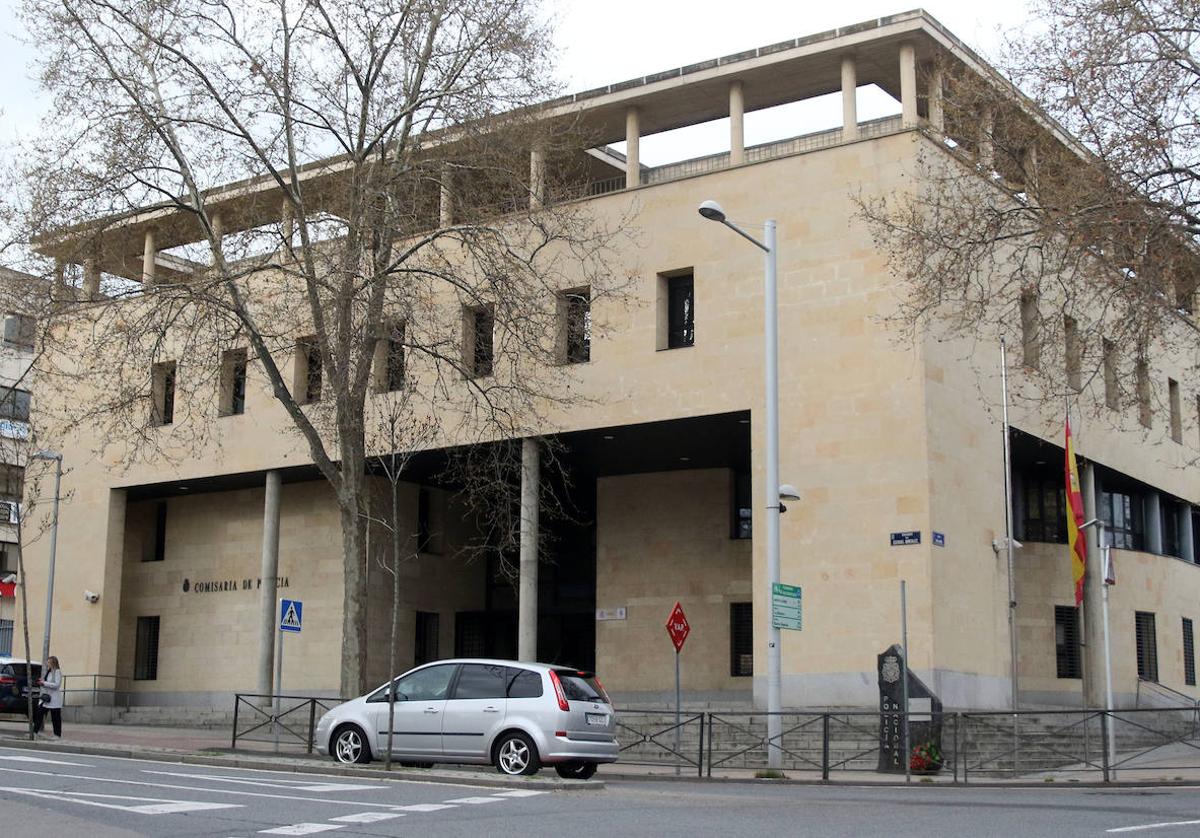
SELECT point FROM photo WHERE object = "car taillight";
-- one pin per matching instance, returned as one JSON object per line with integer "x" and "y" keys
{"x": 603, "y": 691}
{"x": 558, "y": 691}
{"x": 6, "y": 681}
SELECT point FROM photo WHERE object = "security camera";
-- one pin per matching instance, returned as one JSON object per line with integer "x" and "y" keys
{"x": 91, "y": 596}
{"x": 8, "y": 578}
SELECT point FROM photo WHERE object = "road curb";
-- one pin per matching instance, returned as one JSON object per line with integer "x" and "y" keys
{"x": 425, "y": 775}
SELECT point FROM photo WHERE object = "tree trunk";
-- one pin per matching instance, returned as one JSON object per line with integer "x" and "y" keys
{"x": 354, "y": 599}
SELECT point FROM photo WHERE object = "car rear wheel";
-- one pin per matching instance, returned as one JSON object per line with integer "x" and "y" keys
{"x": 516, "y": 755}
{"x": 576, "y": 770}
{"x": 350, "y": 746}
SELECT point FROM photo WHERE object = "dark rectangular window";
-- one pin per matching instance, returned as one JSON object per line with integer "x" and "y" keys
{"x": 8, "y": 558}
{"x": 1043, "y": 506}
{"x": 424, "y": 536}
{"x": 426, "y": 634}
{"x": 14, "y": 404}
{"x": 577, "y": 312}
{"x": 481, "y": 680}
{"x": 233, "y": 383}
{"x": 145, "y": 657}
{"x": 162, "y": 385}
{"x": 470, "y": 634}
{"x": 741, "y": 639}
{"x": 393, "y": 359}
{"x": 19, "y": 330}
{"x": 681, "y": 311}
{"x": 1123, "y": 510}
{"x": 1147, "y": 646}
{"x": 1066, "y": 641}
{"x": 522, "y": 683}
{"x": 1170, "y": 511}
{"x": 742, "y": 511}
{"x": 309, "y": 355}
{"x": 1189, "y": 654}
{"x": 6, "y": 637}
{"x": 1176, "y": 410}
{"x": 481, "y": 324}
{"x": 160, "y": 532}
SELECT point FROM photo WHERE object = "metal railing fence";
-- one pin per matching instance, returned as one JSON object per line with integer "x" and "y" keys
{"x": 279, "y": 719}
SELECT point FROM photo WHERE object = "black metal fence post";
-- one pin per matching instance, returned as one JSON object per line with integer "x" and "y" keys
{"x": 1105, "y": 721}
{"x": 700, "y": 755}
{"x": 966, "y": 746}
{"x": 312, "y": 723}
{"x": 237, "y": 699}
{"x": 825, "y": 747}
{"x": 957, "y": 723}
{"x": 710, "y": 744}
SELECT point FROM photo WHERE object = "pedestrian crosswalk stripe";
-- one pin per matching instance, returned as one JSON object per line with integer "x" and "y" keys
{"x": 301, "y": 829}
{"x": 519, "y": 793}
{"x": 475, "y": 801}
{"x": 425, "y": 807}
{"x": 367, "y": 817}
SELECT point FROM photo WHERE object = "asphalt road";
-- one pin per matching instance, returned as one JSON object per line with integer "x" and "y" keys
{"x": 100, "y": 797}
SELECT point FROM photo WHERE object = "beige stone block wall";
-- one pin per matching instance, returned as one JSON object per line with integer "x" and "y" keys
{"x": 663, "y": 538}
{"x": 1161, "y": 585}
{"x": 208, "y": 641}
{"x": 444, "y": 582}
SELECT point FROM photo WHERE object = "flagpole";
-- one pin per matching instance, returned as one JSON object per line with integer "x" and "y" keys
{"x": 1008, "y": 524}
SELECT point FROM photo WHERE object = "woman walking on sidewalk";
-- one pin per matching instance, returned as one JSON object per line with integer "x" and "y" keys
{"x": 52, "y": 701}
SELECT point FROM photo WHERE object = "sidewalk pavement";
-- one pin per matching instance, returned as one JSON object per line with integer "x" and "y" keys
{"x": 1170, "y": 765}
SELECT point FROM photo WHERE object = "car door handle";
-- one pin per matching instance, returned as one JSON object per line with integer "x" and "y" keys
{"x": 431, "y": 709}
{"x": 491, "y": 709}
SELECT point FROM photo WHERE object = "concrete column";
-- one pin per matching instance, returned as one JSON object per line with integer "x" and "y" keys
{"x": 987, "y": 148}
{"x": 59, "y": 292}
{"x": 849, "y": 98}
{"x": 91, "y": 278}
{"x": 1186, "y": 544}
{"x": 737, "y": 123}
{"x": 527, "y": 603}
{"x": 1154, "y": 538}
{"x": 287, "y": 224}
{"x": 149, "y": 251}
{"x": 266, "y": 594}
{"x": 1093, "y": 598}
{"x": 937, "y": 99}
{"x": 908, "y": 84}
{"x": 633, "y": 138}
{"x": 537, "y": 178}
{"x": 105, "y": 637}
{"x": 446, "y": 217}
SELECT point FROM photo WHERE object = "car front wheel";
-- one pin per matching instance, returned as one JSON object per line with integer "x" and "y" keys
{"x": 516, "y": 754}
{"x": 350, "y": 746}
{"x": 576, "y": 770}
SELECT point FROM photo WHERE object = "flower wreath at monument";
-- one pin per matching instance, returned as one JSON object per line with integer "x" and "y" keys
{"x": 926, "y": 757}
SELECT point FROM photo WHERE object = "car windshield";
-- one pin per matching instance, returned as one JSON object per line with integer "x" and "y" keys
{"x": 580, "y": 686}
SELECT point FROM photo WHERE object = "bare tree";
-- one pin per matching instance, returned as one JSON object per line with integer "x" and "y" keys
{"x": 343, "y": 166}
{"x": 1078, "y": 206}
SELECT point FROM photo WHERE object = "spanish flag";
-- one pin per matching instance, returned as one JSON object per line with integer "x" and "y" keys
{"x": 1075, "y": 541}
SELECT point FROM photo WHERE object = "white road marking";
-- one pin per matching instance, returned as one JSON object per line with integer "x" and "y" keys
{"x": 147, "y": 806}
{"x": 176, "y": 787}
{"x": 475, "y": 801}
{"x": 1145, "y": 826}
{"x": 368, "y": 817}
{"x": 519, "y": 793}
{"x": 301, "y": 829}
{"x": 44, "y": 761}
{"x": 298, "y": 785}
{"x": 424, "y": 807}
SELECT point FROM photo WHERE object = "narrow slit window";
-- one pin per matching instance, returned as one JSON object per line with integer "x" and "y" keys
{"x": 1189, "y": 654}
{"x": 741, "y": 639}
{"x": 1147, "y": 646}
{"x": 681, "y": 311}
{"x": 1142, "y": 383}
{"x": 389, "y": 359}
{"x": 1031, "y": 330}
{"x": 575, "y": 309}
{"x": 308, "y": 370}
{"x": 426, "y": 637}
{"x": 1176, "y": 410}
{"x": 233, "y": 383}
{"x": 1074, "y": 354}
{"x": 479, "y": 347}
{"x": 1112, "y": 389}
{"x": 145, "y": 666}
{"x": 162, "y": 385}
{"x": 1066, "y": 642}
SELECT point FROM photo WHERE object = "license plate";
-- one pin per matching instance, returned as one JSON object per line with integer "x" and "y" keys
{"x": 597, "y": 719}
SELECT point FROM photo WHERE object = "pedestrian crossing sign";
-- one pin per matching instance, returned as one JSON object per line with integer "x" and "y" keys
{"x": 291, "y": 615}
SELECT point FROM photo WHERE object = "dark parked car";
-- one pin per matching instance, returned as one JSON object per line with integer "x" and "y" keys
{"x": 14, "y": 685}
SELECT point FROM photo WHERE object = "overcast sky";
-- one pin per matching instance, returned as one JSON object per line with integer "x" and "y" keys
{"x": 605, "y": 41}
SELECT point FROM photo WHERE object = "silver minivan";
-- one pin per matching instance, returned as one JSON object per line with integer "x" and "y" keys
{"x": 516, "y": 716}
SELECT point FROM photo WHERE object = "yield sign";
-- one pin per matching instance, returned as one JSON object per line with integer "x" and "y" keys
{"x": 677, "y": 627}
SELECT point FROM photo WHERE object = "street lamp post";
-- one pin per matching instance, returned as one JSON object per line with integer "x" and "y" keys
{"x": 57, "y": 458}
{"x": 712, "y": 211}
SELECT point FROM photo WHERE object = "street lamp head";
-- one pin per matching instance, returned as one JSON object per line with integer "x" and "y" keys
{"x": 712, "y": 211}
{"x": 788, "y": 492}
{"x": 46, "y": 455}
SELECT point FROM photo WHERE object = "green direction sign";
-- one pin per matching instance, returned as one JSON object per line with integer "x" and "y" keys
{"x": 785, "y": 606}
